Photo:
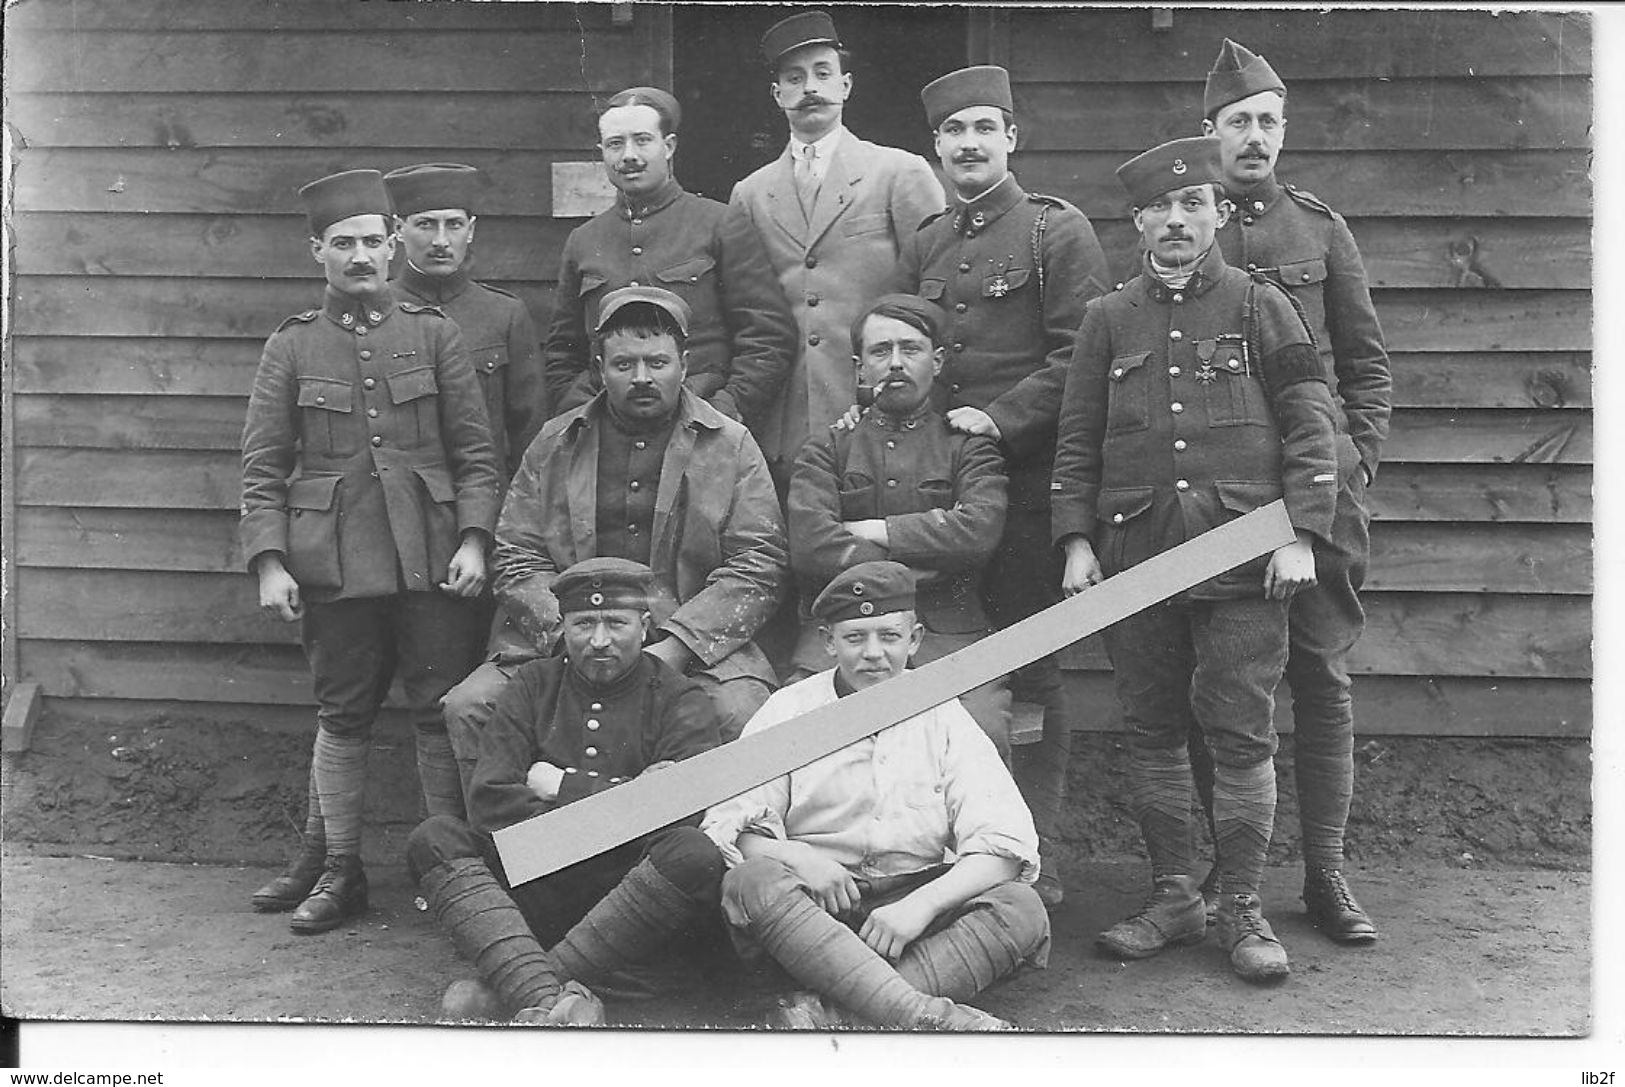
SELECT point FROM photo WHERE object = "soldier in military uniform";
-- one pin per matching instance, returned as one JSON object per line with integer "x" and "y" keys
{"x": 902, "y": 484}
{"x": 369, "y": 495}
{"x": 1195, "y": 396}
{"x": 743, "y": 337}
{"x": 435, "y": 220}
{"x": 1298, "y": 242}
{"x": 566, "y": 728}
{"x": 1012, "y": 272}
{"x": 645, "y": 471}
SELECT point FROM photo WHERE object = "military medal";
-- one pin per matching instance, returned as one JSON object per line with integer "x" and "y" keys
{"x": 1206, "y": 373}
{"x": 998, "y": 286}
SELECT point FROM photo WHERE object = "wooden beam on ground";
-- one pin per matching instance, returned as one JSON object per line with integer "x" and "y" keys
{"x": 22, "y": 711}
{"x": 544, "y": 844}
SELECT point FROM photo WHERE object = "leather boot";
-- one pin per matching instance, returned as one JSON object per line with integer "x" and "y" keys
{"x": 1255, "y": 954}
{"x": 943, "y": 1014}
{"x": 1172, "y": 915}
{"x": 576, "y": 1006}
{"x": 293, "y": 886}
{"x": 340, "y": 893}
{"x": 471, "y": 999}
{"x": 1333, "y": 909}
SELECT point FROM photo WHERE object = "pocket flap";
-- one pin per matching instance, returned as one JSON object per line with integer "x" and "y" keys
{"x": 313, "y": 493}
{"x": 932, "y": 288}
{"x": 1299, "y": 272}
{"x": 412, "y": 384}
{"x": 325, "y": 393}
{"x": 865, "y": 224}
{"x": 1245, "y": 497}
{"x": 591, "y": 281}
{"x": 1000, "y": 284}
{"x": 437, "y": 481}
{"x": 1119, "y": 504}
{"x": 689, "y": 271}
{"x": 1124, "y": 365}
{"x": 489, "y": 358}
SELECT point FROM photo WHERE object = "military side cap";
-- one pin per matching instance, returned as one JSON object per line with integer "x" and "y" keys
{"x": 1172, "y": 165}
{"x": 869, "y": 588}
{"x": 432, "y": 186}
{"x": 671, "y": 114}
{"x": 1237, "y": 73}
{"x": 807, "y": 28}
{"x": 983, "y": 85}
{"x": 911, "y": 309}
{"x": 604, "y": 582}
{"x": 653, "y": 296}
{"x": 339, "y": 196}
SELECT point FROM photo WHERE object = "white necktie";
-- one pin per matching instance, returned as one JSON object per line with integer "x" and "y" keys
{"x": 807, "y": 177}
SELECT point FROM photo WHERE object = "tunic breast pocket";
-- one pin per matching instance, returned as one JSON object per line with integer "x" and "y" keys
{"x": 857, "y": 495}
{"x": 414, "y": 394}
{"x": 490, "y": 362}
{"x": 865, "y": 224}
{"x": 1235, "y": 396}
{"x": 1128, "y": 394}
{"x": 323, "y": 401}
{"x": 936, "y": 494}
{"x": 1006, "y": 283}
{"x": 688, "y": 279}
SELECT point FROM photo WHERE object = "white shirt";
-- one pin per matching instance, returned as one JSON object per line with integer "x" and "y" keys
{"x": 920, "y": 793}
{"x": 825, "y": 148}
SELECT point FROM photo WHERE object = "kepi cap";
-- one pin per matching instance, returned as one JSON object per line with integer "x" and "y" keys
{"x": 911, "y": 309}
{"x": 982, "y": 85}
{"x": 1237, "y": 73}
{"x": 1193, "y": 160}
{"x": 662, "y": 102}
{"x": 339, "y": 196}
{"x": 432, "y": 186}
{"x": 653, "y": 296}
{"x": 869, "y": 588}
{"x": 807, "y": 28}
{"x": 604, "y": 582}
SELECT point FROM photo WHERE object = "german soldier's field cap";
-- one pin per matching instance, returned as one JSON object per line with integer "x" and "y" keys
{"x": 1172, "y": 165}
{"x": 432, "y": 186}
{"x": 983, "y": 85}
{"x": 807, "y": 28}
{"x": 331, "y": 199}
{"x": 1237, "y": 73}
{"x": 869, "y": 588}
{"x": 604, "y": 582}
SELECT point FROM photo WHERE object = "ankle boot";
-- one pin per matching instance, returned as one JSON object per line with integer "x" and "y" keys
{"x": 1332, "y": 907}
{"x": 294, "y": 884}
{"x": 1255, "y": 953}
{"x": 340, "y": 893}
{"x": 1172, "y": 915}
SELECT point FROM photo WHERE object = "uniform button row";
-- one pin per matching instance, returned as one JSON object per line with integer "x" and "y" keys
{"x": 891, "y": 443}
{"x": 635, "y": 485}
{"x": 1176, "y": 407}
{"x": 812, "y": 300}
{"x": 1176, "y": 335}
{"x": 891, "y": 483}
{"x": 596, "y": 706}
{"x": 593, "y": 724}
{"x": 964, "y": 267}
{"x": 640, "y": 444}
{"x": 1178, "y": 297}
{"x": 365, "y": 353}
{"x": 591, "y": 752}
{"x": 814, "y": 340}
{"x": 369, "y": 383}
{"x": 637, "y": 250}
{"x": 811, "y": 262}
{"x": 960, "y": 307}
{"x": 1173, "y": 371}
{"x": 1179, "y": 485}
{"x": 377, "y": 440}
{"x": 372, "y": 413}
{"x": 1179, "y": 445}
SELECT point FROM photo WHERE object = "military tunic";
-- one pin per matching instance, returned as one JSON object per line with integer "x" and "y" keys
{"x": 503, "y": 351}
{"x": 742, "y": 339}
{"x": 366, "y": 453}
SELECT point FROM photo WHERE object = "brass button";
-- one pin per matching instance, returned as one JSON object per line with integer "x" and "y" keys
{"x": 635, "y": 485}
{"x": 1176, "y": 335}
{"x": 637, "y": 222}
{"x": 1179, "y": 445}
{"x": 960, "y": 307}
{"x": 639, "y": 444}
{"x": 1246, "y": 220}
{"x": 365, "y": 353}
{"x": 811, "y": 262}
{"x": 596, "y": 706}
{"x": 1179, "y": 485}
{"x": 1117, "y": 372}
{"x": 321, "y": 400}
{"x": 1173, "y": 371}
{"x": 634, "y": 283}
{"x": 593, "y": 725}
{"x": 959, "y": 348}
{"x": 891, "y": 483}
{"x": 372, "y": 413}
{"x": 633, "y": 529}
{"x": 369, "y": 384}
{"x": 815, "y": 339}
{"x": 1176, "y": 407}
{"x": 637, "y": 250}
{"x": 812, "y": 300}
{"x": 592, "y": 773}
{"x": 377, "y": 440}
{"x": 891, "y": 444}
{"x": 360, "y": 330}
{"x": 964, "y": 267}
{"x": 490, "y": 364}
{"x": 1178, "y": 297}
{"x": 1117, "y": 518}
{"x": 591, "y": 752}
{"x": 954, "y": 387}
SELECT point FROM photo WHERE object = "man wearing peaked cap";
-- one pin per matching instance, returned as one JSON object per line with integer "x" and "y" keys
{"x": 435, "y": 220}
{"x": 836, "y": 869}
{"x": 1194, "y": 396}
{"x": 1295, "y": 239}
{"x": 742, "y": 339}
{"x": 370, "y": 489}
{"x": 1012, "y": 273}
{"x": 902, "y": 484}
{"x": 647, "y": 471}
{"x": 832, "y": 212}
{"x": 566, "y": 728}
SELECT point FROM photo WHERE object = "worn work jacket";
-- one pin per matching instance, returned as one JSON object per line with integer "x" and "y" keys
{"x": 502, "y": 350}
{"x": 830, "y": 265}
{"x": 941, "y": 493}
{"x": 1303, "y": 245}
{"x": 366, "y": 453}
{"x": 718, "y": 551}
{"x": 600, "y": 735}
{"x": 742, "y": 339}
{"x": 1013, "y": 311}
{"x": 1172, "y": 423}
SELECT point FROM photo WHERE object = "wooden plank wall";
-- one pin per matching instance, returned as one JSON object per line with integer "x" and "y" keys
{"x": 1457, "y": 143}
{"x": 159, "y": 241}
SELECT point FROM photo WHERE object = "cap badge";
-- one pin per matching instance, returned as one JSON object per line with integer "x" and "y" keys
{"x": 866, "y": 608}
{"x": 596, "y": 599}
{"x": 857, "y": 588}
{"x": 1179, "y": 166}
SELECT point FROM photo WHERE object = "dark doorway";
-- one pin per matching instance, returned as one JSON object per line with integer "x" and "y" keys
{"x": 730, "y": 123}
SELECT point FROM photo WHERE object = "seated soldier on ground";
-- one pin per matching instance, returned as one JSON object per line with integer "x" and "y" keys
{"x": 893, "y": 877}
{"x": 565, "y": 728}
{"x": 901, "y": 484}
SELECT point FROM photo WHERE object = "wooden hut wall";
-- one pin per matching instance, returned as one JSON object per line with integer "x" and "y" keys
{"x": 159, "y": 241}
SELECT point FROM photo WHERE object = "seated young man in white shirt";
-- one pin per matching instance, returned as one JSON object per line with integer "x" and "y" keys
{"x": 892, "y": 878}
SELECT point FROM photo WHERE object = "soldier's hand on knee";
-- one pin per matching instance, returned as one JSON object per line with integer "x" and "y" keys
{"x": 1290, "y": 568}
{"x": 466, "y": 574}
{"x": 890, "y": 929}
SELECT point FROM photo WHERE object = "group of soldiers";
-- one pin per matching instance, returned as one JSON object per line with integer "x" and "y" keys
{"x": 770, "y": 453}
